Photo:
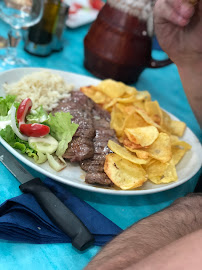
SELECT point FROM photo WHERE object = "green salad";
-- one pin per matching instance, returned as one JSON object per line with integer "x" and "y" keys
{"x": 36, "y": 133}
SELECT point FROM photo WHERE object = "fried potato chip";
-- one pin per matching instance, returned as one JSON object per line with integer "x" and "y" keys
{"x": 161, "y": 173}
{"x": 161, "y": 148}
{"x": 143, "y": 95}
{"x": 129, "y": 99}
{"x": 117, "y": 120}
{"x": 125, "y": 117}
{"x": 174, "y": 127}
{"x": 112, "y": 88}
{"x": 96, "y": 96}
{"x": 109, "y": 106}
{"x": 140, "y": 153}
{"x": 125, "y": 100}
{"x": 170, "y": 174}
{"x": 166, "y": 120}
{"x": 147, "y": 119}
{"x": 179, "y": 149}
{"x": 134, "y": 120}
{"x": 182, "y": 144}
{"x": 177, "y": 154}
{"x": 155, "y": 170}
{"x": 154, "y": 111}
{"x": 144, "y": 136}
{"x": 139, "y": 104}
{"x": 131, "y": 91}
{"x": 177, "y": 128}
{"x": 125, "y": 108}
{"x": 123, "y": 173}
{"x": 173, "y": 139}
{"x": 124, "y": 153}
{"x": 130, "y": 144}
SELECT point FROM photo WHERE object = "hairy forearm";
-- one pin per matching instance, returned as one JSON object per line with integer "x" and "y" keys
{"x": 191, "y": 77}
{"x": 150, "y": 234}
{"x": 183, "y": 253}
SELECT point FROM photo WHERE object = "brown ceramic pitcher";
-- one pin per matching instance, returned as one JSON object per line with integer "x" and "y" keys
{"x": 118, "y": 46}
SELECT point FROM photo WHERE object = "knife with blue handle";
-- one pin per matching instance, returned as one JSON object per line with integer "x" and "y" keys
{"x": 54, "y": 208}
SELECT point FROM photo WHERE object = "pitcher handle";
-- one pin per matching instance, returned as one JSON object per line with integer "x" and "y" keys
{"x": 159, "y": 63}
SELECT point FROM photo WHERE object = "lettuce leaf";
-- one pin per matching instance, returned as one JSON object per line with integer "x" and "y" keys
{"x": 4, "y": 121}
{"x": 62, "y": 129}
{"x": 37, "y": 116}
{"x": 5, "y": 104}
{"x": 9, "y": 136}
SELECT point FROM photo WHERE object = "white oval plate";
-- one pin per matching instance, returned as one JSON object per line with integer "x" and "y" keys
{"x": 73, "y": 175}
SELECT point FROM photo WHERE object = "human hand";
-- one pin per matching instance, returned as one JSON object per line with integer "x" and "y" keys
{"x": 178, "y": 27}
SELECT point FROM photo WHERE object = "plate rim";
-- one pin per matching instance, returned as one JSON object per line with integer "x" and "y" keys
{"x": 88, "y": 187}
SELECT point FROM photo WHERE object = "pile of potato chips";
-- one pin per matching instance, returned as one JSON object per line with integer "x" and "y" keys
{"x": 149, "y": 146}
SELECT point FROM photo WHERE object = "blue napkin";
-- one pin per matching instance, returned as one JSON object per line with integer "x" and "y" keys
{"x": 22, "y": 219}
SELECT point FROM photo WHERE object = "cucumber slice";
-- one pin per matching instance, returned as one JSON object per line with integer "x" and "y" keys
{"x": 41, "y": 158}
{"x": 45, "y": 145}
{"x": 56, "y": 163}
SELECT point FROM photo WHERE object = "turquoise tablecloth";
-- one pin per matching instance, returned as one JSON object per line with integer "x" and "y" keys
{"x": 165, "y": 86}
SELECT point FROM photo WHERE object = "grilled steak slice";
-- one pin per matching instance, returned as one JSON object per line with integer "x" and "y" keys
{"x": 80, "y": 107}
{"x": 95, "y": 165}
{"x": 79, "y": 149}
{"x": 98, "y": 178}
{"x": 75, "y": 101}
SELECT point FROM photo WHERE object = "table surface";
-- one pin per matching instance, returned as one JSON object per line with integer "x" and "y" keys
{"x": 165, "y": 86}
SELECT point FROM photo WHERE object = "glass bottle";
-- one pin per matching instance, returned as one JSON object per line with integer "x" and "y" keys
{"x": 43, "y": 38}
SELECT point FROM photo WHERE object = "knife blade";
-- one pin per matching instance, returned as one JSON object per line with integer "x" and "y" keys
{"x": 54, "y": 208}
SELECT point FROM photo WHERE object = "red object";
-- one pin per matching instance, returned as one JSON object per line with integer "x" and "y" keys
{"x": 118, "y": 46}
{"x": 74, "y": 8}
{"x": 78, "y": 6}
{"x": 23, "y": 110}
{"x": 34, "y": 130}
{"x": 96, "y": 4}
{"x": 30, "y": 130}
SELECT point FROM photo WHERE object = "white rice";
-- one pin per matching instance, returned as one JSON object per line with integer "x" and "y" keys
{"x": 43, "y": 88}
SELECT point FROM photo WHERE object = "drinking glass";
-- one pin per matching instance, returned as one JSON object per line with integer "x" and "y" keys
{"x": 18, "y": 14}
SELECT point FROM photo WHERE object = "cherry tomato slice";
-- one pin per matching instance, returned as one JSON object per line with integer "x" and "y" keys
{"x": 74, "y": 8}
{"x": 96, "y": 4}
{"x": 23, "y": 110}
{"x": 34, "y": 130}
{"x": 77, "y": 5}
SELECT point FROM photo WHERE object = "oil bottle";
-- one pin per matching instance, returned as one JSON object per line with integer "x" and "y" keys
{"x": 45, "y": 37}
